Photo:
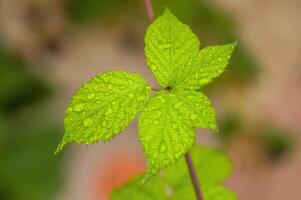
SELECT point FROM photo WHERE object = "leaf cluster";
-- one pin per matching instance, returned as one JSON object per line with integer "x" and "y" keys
{"x": 103, "y": 107}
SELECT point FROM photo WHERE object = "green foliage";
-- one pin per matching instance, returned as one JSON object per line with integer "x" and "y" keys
{"x": 276, "y": 141}
{"x": 93, "y": 10}
{"x": 29, "y": 171}
{"x": 104, "y": 106}
{"x": 169, "y": 45}
{"x": 167, "y": 125}
{"x": 209, "y": 63}
{"x": 212, "y": 165}
{"x": 18, "y": 87}
{"x": 214, "y": 25}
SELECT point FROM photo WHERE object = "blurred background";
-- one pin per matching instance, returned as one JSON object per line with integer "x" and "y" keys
{"x": 48, "y": 48}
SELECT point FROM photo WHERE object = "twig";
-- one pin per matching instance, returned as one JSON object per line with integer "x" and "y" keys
{"x": 149, "y": 10}
{"x": 193, "y": 176}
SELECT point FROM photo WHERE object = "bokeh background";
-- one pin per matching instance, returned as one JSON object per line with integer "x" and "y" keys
{"x": 48, "y": 48}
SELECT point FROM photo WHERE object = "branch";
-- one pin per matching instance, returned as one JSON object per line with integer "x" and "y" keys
{"x": 193, "y": 176}
{"x": 149, "y": 10}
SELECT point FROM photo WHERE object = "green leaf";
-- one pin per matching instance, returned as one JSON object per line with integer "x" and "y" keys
{"x": 202, "y": 115}
{"x": 212, "y": 165}
{"x": 134, "y": 190}
{"x": 210, "y": 63}
{"x": 210, "y": 192}
{"x": 104, "y": 107}
{"x": 217, "y": 192}
{"x": 164, "y": 131}
{"x": 167, "y": 125}
{"x": 169, "y": 45}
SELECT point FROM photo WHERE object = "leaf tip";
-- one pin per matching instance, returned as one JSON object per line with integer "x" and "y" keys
{"x": 166, "y": 10}
{"x": 233, "y": 45}
{"x": 60, "y": 147}
{"x": 168, "y": 13}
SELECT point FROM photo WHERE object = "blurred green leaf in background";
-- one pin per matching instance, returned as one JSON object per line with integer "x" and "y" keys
{"x": 18, "y": 86}
{"x": 28, "y": 168}
{"x": 213, "y": 167}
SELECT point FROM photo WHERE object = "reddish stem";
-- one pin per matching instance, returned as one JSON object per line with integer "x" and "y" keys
{"x": 193, "y": 176}
{"x": 149, "y": 10}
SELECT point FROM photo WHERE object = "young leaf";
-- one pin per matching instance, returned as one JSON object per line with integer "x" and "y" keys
{"x": 212, "y": 165}
{"x": 169, "y": 44}
{"x": 202, "y": 115}
{"x": 104, "y": 107}
{"x": 167, "y": 125}
{"x": 165, "y": 131}
{"x": 210, "y": 63}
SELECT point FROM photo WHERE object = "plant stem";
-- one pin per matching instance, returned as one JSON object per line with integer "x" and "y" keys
{"x": 193, "y": 176}
{"x": 149, "y": 10}
{"x": 194, "y": 179}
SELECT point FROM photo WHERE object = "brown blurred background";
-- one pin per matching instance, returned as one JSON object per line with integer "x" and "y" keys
{"x": 48, "y": 48}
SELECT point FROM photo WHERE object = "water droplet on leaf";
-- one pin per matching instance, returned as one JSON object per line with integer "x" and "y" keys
{"x": 163, "y": 148}
{"x": 79, "y": 107}
{"x": 131, "y": 95}
{"x": 109, "y": 111}
{"x": 88, "y": 122}
{"x": 193, "y": 116}
{"x": 91, "y": 96}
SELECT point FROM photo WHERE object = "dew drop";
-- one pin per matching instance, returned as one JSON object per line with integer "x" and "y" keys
{"x": 166, "y": 46}
{"x": 177, "y": 105}
{"x": 175, "y": 126}
{"x": 153, "y": 171}
{"x": 141, "y": 98}
{"x": 162, "y": 100}
{"x": 131, "y": 95}
{"x": 79, "y": 107}
{"x": 69, "y": 110}
{"x": 165, "y": 162}
{"x": 88, "y": 122}
{"x": 109, "y": 111}
{"x": 163, "y": 148}
{"x": 106, "y": 137}
{"x": 193, "y": 116}
{"x": 91, "y": 96}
